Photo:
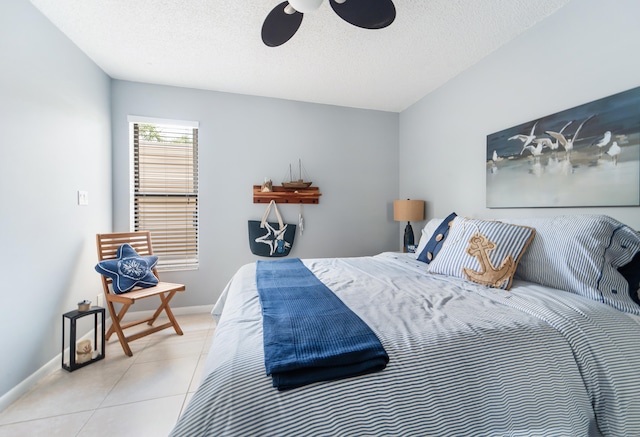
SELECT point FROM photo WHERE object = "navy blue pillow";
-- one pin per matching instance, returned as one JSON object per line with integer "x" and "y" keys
{"x": 435, "y": 242}
{"x": 129, "y": 269}
{"x": 631, "y": 273}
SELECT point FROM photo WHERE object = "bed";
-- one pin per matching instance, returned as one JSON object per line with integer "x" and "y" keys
{"x": 551, "y": 350}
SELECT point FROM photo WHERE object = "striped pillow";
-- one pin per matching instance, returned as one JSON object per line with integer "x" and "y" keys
{"x": 582, "y": 254}
{"x": 482, "y": 251}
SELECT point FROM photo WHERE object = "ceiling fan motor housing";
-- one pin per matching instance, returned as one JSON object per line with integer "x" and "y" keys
{"x": 305, "y": 6}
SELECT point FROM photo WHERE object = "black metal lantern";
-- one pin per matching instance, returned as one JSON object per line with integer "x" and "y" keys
{"x": 82, "y": 353}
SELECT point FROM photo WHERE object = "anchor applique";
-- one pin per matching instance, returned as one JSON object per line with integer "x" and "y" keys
{"x": 479, "y": 247}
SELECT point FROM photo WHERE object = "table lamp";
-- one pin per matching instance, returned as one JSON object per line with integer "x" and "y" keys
{"x": 408, "y": 211}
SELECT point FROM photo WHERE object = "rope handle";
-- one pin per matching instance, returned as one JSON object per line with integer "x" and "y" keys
{"x": 266, "y": 214}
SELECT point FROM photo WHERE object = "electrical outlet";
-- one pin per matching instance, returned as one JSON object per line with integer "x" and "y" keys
{"x": 83, "y": 198}
{"x": 99, "y": 299}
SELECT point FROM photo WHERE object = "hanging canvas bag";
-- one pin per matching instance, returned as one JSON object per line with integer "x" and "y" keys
{"x": 269, "y": 238}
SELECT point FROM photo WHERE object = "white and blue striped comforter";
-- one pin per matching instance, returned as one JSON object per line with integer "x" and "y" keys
{"x": 465, "y": 360}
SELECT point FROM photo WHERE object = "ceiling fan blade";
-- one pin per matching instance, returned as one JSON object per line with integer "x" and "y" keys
{"x": 280, "y": 25}
{"x": 368, "y": 14}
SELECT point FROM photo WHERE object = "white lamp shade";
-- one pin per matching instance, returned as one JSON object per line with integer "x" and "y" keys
{"x": 305, "y": 6}
{"x": 408, "y": 210}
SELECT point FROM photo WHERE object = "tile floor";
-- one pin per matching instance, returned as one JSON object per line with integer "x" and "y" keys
{"x": 140, "y": 396}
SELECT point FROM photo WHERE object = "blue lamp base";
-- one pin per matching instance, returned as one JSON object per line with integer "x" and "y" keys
{"x": 408, "y": 237}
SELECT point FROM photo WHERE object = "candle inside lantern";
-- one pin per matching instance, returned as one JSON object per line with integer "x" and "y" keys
{"x": 83, "y": 351}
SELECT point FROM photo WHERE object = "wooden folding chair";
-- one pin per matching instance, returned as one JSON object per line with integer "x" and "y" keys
{"x": 107, "y": 245}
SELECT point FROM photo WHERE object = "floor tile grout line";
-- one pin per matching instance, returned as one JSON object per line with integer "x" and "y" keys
{"x": 86, "y": 422}
{"x": 53, "y": 416}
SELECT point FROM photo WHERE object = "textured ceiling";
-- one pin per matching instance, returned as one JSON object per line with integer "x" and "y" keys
{"x": 216, "y": 45}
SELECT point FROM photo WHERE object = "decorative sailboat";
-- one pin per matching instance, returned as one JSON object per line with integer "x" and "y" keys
{"x": 300, "y": 183}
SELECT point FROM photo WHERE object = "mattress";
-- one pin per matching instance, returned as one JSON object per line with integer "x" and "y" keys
{"x": 464, "y": 360}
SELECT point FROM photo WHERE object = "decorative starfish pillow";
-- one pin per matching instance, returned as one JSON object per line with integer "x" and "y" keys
{"x": 483, "y": 251}
{"x": 129, "y": 270}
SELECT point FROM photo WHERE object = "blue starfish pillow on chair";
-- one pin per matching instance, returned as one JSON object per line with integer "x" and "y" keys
{"x": 129, "y": 269}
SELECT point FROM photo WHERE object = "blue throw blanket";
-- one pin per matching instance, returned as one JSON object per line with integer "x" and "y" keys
{"x": 310, "y": 335}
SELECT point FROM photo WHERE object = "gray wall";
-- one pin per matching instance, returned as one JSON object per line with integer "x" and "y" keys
{"x": 350, "y": 154}
{"x": 586, "y": 51}
{"x": 56, "y": 140}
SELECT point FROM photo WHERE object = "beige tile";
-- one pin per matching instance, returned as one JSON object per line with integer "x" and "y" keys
{"x": 155, "y": 417}
{"x": 196, "y": 322}
{"x": 171, "y": 337}
{"x": 167, "y": 350}
{"x": 63, "y": 426}
{"x": 152, "y": 380}
{"x": 65, "y": 392}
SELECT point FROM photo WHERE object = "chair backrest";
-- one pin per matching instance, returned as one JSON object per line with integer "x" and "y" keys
{"x": 108, "y": 244}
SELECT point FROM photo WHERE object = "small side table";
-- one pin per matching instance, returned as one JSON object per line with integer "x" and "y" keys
{"x": 98, "y": 347}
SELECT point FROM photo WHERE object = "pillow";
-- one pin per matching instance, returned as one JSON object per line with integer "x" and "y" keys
{"x": 482, "y": 251}
{"x": 435, "y": 241}
{"x": 631, "y": 273}
{"x": 426, "y": 234}
{"x": 581, "y": 254}
{"x": 129, "y": 270}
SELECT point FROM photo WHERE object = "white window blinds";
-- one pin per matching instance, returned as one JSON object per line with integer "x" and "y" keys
{"x": 165, "y": 191}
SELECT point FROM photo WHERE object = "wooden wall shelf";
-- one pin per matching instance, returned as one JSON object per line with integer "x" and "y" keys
{"x": 287, "y": 195}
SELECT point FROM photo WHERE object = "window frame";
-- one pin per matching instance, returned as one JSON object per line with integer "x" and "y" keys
{"x": 175, "y": 251}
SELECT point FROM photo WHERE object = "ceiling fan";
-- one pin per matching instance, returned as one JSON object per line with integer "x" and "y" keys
{"x": 285, "y": 19}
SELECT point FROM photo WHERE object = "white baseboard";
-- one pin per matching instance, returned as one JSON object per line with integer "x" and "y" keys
{"x": 14, "y": 394}
{"x": 56, "y": 363}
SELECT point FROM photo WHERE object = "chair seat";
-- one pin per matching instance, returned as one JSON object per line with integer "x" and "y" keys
{"x": 141, "y": 293}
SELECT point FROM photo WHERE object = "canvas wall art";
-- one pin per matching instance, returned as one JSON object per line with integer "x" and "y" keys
{"x": 584, "y": 156}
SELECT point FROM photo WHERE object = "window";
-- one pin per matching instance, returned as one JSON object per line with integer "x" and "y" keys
{"x": 165, "y": 190}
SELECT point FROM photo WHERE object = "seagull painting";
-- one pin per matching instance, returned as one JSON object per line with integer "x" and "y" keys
{"x": 495, "y": 157}
{"x": 568, "y": 143}
{"x": 526, "y": 139}
{"x": 613, "y": 152}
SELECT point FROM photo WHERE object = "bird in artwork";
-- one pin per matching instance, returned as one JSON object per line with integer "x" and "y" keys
{"x": 554, "y": 144}
{"x": 496, "y": 158}
{"x": 614, "y": 151}
{"x": 604, "y": 141}
{"x": 526, "y": 139}
{"x": 546, "y": 142}
{"x": 537, "y": 150}
{"x": 568, "y": 143}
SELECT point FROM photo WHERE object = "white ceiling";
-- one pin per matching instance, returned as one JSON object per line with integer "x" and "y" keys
{"x": 216, "y": 45}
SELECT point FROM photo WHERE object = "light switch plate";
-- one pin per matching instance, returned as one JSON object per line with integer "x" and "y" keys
{"x": 83, "y": 198}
